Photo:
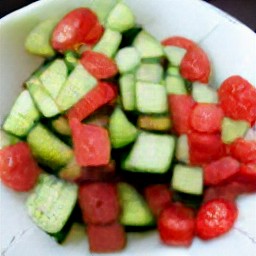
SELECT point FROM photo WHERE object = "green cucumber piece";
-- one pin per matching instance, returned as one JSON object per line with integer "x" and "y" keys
{"x": 39, "y": 39}
{"x": 128, "y": 36}
{"x": 151, "y": 98}
{"x": 173, "y": 71}
{"x": 54, "y": 77}
{"x": 174, "y": 54}
{"x": 22, "y": 116}
{"x": 7, "y": 139}
{"x": 175, "y": 85}
{"x": 76, "y": 86}
{"x": 51, "y": 203}
{"x": 71, "y": 60}
{"x": 122, "y": 131}
{"x": 71, "y": 171}
{"x": 108, "y": 43}
{"x": 147, "y": 45}
{"x": 127, "y": 59}
{"x": 61, "y": 126}
{"x": 182, "y": 149}
{"x": 150, "y": 73}
{"x": 120, "y": 18}
{"x": 127, "y": 91}
{"x": 151, "y": 153}
{"x": 203, "y": 93}
{"x": 188, "y": 179}
{"x": 135, "y": 211}
{"x": 48, "y": 149}
{"x": 154, "y": 123}
{"x": 233, "y": 129}
{"x": 42, "y": 98}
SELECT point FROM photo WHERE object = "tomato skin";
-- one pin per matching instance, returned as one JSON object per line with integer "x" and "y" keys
{"x": 176, "y": 225}
{"x": 206, "y": 118}
{"x": 98, "y": 64}
{"x": 195, "y": 65}
{"x": 238, "y": 99}
{"x": 178, "y": 41}
{"x": 18, "y": 169}
{"x": 72, "y": 29}
{"x": 215, "y": 218}
{"x": 94, "y": 35}
{"x": 244, "y": 150}
{"x": 220, "y": 170}
{"x": 181, "y": 107}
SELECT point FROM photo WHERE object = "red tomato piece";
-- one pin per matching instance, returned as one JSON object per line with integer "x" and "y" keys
{"x": 107, "y": 238}
{"x": 91, "y": 144}
{"x": 99, "y": 203}
{"x": 98, "y": 64}
{"x": 158, "y": 198}
{"x": 244, "y": 150}
{"x": 219, "y": 171}
{"x": 181, "y": 107}
{"x": 179, "y": 42}
{"x": 215, "y": 218}
{"x": 206, "y": 118}
{"x": 97, "y": 97}
{"x": 18, "y": 169}
{"x": 94, "y": 35}
{"x": 238, "y": 99}
{"x": 176, "y": 225}
{"x": 72, "y": 29}
{"x": 195, "y": 65}
{"x": 205, "y": 148}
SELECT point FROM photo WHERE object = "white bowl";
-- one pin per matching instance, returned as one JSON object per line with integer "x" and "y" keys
{"x": 232, "y": 49}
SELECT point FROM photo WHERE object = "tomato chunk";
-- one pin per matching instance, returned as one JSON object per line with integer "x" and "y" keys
{"x": 98, "y": 64}
{"x": 178, "y": 41}
{"x": 181, "y": 107}
{"x": 205, "y": 148}
{"x": 18, "y": 169}
{"x": 94, "y": 35}
{"x": 215, "y": 218}
{"x": 176, "y": 225}
{"x": 158, "y": 198}
{"x": 195, "y": 65}
{"x": 91, "y": 144}
{"x": 219, "y": 171}
{"x": 72, "y": 29}
{"x": 238, "y": 99}
{"x": 206, "y": 118}
{"x": 97, "y": 97}
{"x": 107, "y": 238}
{"x": 244, "y": 150}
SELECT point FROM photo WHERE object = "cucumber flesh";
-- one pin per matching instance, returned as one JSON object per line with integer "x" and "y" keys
{"x": 7, "y": 139}
{"x": 174, "y": 54}
{"x": 182, "y": 149}
{"x": 203, "y": 93}
{"x": 61, "y": 126}
{"x": 173, "y": 71}
{"x": 150, "y": 72}
{"x": 71, "y": 60}
{"x": 71, "y": 171}
{"x": 175, "y": 85}
{"x": 154, "y": 123}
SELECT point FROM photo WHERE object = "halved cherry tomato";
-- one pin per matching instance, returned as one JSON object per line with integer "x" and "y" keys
{"x": 94, "y": 35}
{"x": 178, "y": 41}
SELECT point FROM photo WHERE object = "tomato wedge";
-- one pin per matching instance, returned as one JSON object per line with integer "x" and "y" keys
{"x": 178, "y": 41}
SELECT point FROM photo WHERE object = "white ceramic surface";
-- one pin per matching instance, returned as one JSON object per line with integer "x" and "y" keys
{"x": 232, "y": 49}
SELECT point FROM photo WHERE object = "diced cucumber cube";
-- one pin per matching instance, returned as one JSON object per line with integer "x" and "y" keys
{"x": 22, "y": 116}
{"x": 182, "y": 149}
{"x": 174, "y": 54}
{"x": 71, "y": 59}
{"x": 147, "y": 45}
{"x": 7, "y": 139}
{"x": 151, "y": 153}
{"x": 150, "y": 72}
{"x": 71, "y": 171}
{"x": 120, "y": 18}
{"x": 175, "y": 85}
{"x": 203, "y": 93}
{"x": 173, "y": 71}
{"x": 187, "y": 179}
{"x": 151, "y": 98}
{"x": 76, "y": 86}
{"x": 154, "y": 123}
{"x": 127, "y": 59}
{"x": 233, "y": 129}
{"x": 61, "y": 126}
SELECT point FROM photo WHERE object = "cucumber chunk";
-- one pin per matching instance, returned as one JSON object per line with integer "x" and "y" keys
{"x": 135, "y": 211}
{"x": 127, "y": 91}
{"x": 175, "y": 85}
{"x": 182, "y": 149}
{"x": 127, "y": 59}
{"x": 61, "y": 126}
{"x": 42, "y": 98}
{"x": 174, "y": 54}
{"x": 151, "y": 98}
{"x": 7, "y": 139}
{"x": 51, "y": 203}
{"x": 151, "y": 153}
{"x": 122, "y": 131}
{"x": 173, "y": 71}
{"x": 147, "y": 45}
{"x": 22, "y": 116}
{"x": 54, "y": 77}
{"x": 154, "y": 123}
{"x": 71, "y": 171}
{"x": 120, "y": 18}
{"x": 203, "y": 93}
{"x": 187, "y": 179}
{"x": 233, "y": 129}
{"x": 108, "y": 43}
{"x": 76, "y": 86}
{"x": 48, "y": 149}
{"x": 71, "y": 60}
{"x": 150, "y": 73}
{"x": 39, "y": 39}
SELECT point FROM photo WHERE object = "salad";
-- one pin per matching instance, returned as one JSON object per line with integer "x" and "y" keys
{"x": 122, "y": 132}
